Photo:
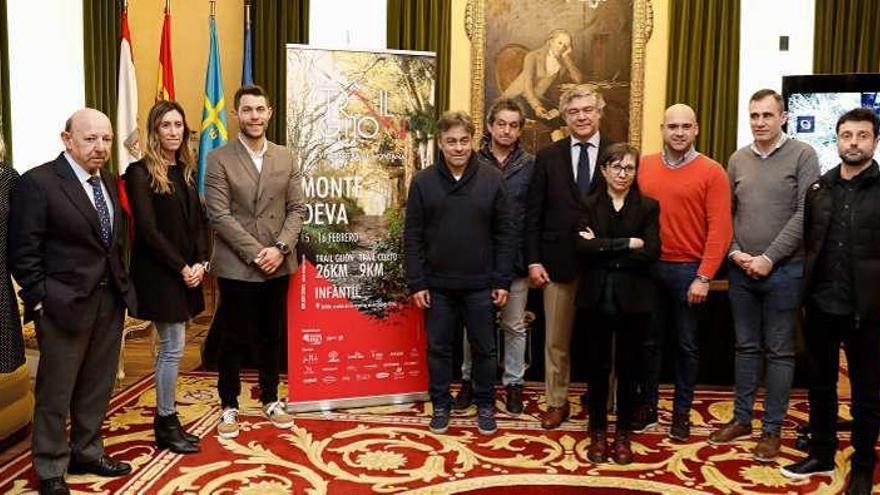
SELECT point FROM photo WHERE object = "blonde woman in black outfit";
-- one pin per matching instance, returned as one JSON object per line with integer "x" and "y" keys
{"x": 618, "y": 240}
{"x": 168, "y": 260}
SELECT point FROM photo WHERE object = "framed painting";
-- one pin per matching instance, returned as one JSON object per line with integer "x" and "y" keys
{"x": 533, "y": 50}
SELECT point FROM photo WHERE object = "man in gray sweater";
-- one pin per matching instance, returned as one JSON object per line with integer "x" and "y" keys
{"x": 769, "y": 179}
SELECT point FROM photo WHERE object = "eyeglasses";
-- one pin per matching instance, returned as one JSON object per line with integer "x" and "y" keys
{"x": 617, "y": 169}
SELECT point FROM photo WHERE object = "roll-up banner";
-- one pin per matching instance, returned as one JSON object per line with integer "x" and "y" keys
{"x": 362, "y": 124}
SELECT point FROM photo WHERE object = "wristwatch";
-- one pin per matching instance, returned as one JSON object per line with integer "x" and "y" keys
{"x": 284, "y": 248}
{"x": 703, "y": 278}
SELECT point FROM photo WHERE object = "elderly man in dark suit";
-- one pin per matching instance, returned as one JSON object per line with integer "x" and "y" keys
{"x": 565, "y": 173}
{"x": 254, "y": 200}
{"x": 66, "y": 251}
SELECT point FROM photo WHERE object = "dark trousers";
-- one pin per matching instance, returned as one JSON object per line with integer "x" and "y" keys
{"x": 255, "y": 314}
{"x": 629, "y": 331}
{"x": 76, "y": 375}
{"x": 765, "y": 313}
{"x": 861, "y": 340}
{"x": 449, "y": 310}
{"x": 673, "y": 281}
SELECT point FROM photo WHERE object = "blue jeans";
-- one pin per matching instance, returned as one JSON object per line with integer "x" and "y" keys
{"x": 449, "y": 308}
{"x": 172, "y": 339}
{"x": 764, "y": 316}
{"x": 673, "y": 281}
{"x": 513, "y": 322}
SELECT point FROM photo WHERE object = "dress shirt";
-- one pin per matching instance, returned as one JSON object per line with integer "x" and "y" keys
{"x": 83, "y": 176}
{"x": 256, "y": 156}
{"x": 688, "y": 157}
{"x": 592, "y": 152}
{"x": 779, "y": 143}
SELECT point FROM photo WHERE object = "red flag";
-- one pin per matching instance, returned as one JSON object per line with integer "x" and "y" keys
{"x": 165, "y": 83}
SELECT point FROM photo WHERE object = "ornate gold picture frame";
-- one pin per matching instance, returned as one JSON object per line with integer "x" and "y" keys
{"x": 531, "y": 50}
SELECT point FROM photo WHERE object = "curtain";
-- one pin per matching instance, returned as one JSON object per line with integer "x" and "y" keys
{"x": 704, "y": 69}
{"x": 5, "y": 119}
{"x": 847, "y": 36}
{"x": 276, "y": 23}
{"x": 424, "y": 25}
{"x": 101, "y": 54}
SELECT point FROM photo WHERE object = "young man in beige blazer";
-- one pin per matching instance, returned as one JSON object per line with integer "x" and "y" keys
{"x": 254, "y": 200}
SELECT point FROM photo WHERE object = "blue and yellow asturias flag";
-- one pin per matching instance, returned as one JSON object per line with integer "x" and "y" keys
{"x": 214, "y": 131}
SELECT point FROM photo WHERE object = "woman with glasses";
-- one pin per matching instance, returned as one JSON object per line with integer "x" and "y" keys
{"x": 168, "y": 260}
{"x": 618, "y": 240}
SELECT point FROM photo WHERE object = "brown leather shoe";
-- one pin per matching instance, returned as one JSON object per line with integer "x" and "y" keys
{"x": 729, "y": 433}
{"x": 554, "y": 417}
{"x": 597, "y": 451}
{"x": 768, "y": 448}
{"x": 621, "y": 450}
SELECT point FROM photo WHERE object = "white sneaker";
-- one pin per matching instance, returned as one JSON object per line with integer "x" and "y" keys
{"x": 276, "y": 413}
{"x": 228, "y": 427}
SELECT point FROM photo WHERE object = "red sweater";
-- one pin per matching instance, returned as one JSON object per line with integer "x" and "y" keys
{"x": 695, "y": 215}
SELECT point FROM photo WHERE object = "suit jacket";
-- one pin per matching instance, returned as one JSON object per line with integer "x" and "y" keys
{"x": 608, "y": 255}
{"x": 170, "y": 233}
{"x": 58, "y": 257}
{"x": 250, "y": 210}
{"x": 554, "y": 207}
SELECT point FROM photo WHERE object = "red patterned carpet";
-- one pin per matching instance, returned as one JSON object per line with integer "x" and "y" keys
{"x": 389, "y": 449}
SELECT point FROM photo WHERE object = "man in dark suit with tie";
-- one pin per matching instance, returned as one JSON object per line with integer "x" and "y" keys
{"x": 565, "y": 173}
{"x": 65, "y": 245}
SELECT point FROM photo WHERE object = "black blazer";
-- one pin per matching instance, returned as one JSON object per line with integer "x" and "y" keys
{"x": 608, "y": 255}
{"x": 57, "y": 254}
{"x": 169, "y": 234}
{"x": 554, "y": 206}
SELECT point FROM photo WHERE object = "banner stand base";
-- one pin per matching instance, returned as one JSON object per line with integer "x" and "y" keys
{"x": 377, "y": 400}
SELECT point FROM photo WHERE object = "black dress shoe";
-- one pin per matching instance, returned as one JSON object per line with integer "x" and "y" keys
{"x": 54, "y": 486}
{"x": 103, "y": 466}
{"x": 861, "y": 482}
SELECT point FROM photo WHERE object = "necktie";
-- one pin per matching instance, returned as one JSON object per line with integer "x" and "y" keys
{"x": 583, "y": 178}
{"x": 101, "y": 206}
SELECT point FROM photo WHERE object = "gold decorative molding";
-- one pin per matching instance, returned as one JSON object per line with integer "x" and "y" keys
{"x": 475, "y": 27}
{"x": 643, "y": 26}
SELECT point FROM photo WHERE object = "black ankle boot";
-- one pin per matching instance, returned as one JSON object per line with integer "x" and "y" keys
{"x": 168, "y": 435}
{"x": 188, "y": 436}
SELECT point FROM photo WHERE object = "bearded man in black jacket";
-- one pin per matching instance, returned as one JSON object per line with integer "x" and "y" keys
{"x": 841, "y": 277}
{"x": 459, "y": 243}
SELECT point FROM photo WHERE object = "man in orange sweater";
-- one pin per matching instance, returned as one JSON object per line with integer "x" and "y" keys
{"x": 695, "y": 233}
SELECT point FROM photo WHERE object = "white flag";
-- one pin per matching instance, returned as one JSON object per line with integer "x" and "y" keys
{"x": 127, "y": 136}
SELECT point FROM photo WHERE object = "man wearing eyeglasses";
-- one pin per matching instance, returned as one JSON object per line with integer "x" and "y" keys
{"x": 695, "y": 232}
{"x": 565, "y": 174}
